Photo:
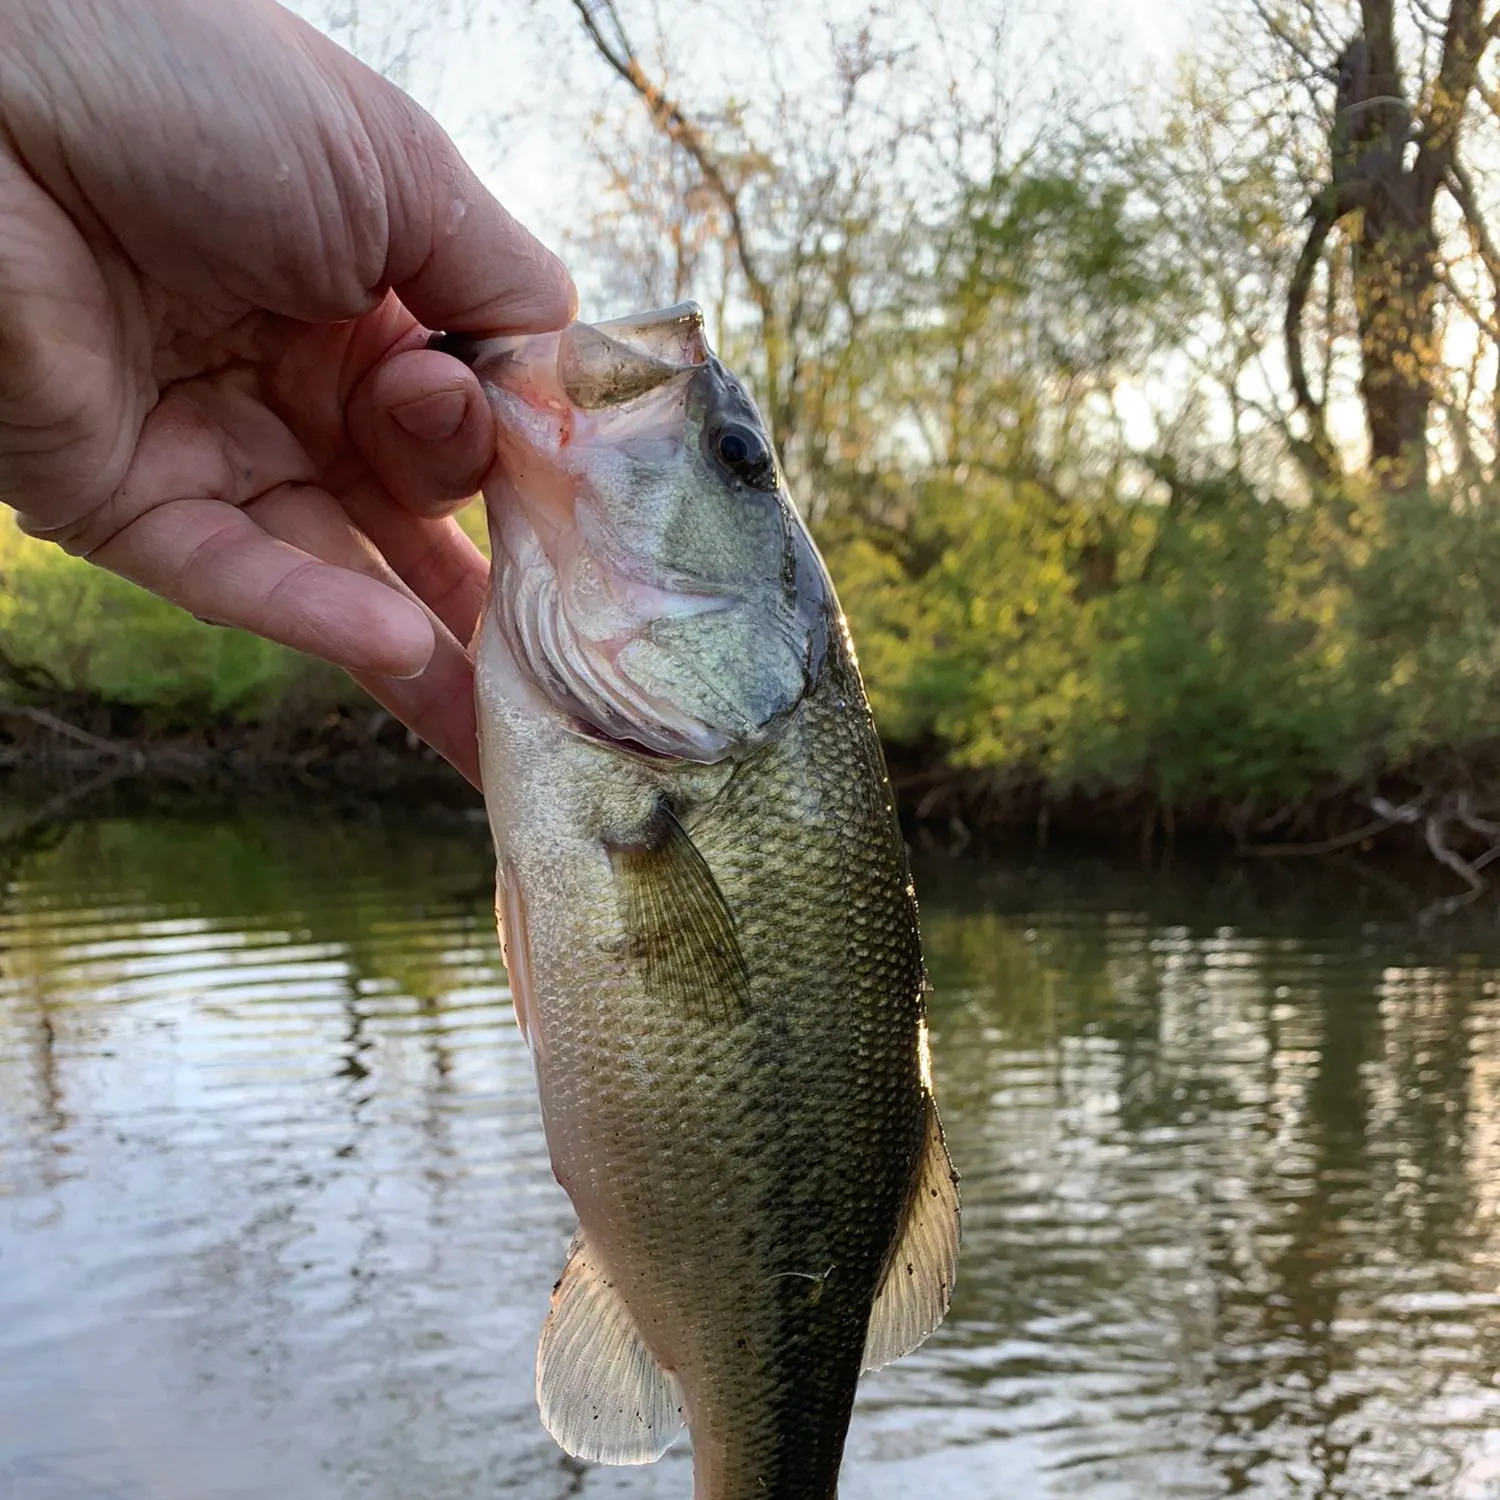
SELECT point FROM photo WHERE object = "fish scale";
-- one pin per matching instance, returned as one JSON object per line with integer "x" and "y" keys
{"x": 717, "y": 961}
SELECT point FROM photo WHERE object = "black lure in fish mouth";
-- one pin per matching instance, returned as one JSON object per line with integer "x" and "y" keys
{"x": 463, "y": 347}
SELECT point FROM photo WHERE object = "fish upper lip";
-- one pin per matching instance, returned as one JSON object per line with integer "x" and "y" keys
{"x": 670, "y": 338}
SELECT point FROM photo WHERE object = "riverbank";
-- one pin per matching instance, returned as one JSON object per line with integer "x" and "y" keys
{"x": 1262, "y": 680}
{"x": 54, "y": 769}
{"x": 1432, "y": 831}
{"x": 1273, "y": 680}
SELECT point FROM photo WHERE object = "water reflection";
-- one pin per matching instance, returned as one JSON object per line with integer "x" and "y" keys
{"x": 275, "y": 1215}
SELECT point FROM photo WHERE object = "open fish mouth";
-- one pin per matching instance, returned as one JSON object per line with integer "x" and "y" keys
{"x": 650, "y": 574}
{"x": 596, "y": 365}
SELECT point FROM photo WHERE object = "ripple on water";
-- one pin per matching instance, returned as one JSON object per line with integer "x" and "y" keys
{"x": 275, "y": 1213}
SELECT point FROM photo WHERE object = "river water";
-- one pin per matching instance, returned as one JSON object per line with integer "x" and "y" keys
{"x": 276, "y": 1219}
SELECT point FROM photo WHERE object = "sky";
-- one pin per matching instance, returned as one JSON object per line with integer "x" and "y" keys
{"x": 511, "y": 80}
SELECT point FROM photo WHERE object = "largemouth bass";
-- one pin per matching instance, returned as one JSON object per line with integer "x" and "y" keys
{"x": 707, "y": 918}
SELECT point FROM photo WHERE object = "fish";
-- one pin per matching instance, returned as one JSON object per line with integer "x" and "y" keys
{"x": 707, "y": 918}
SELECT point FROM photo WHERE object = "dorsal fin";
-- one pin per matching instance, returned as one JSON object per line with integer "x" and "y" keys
{"x": 919, "y": 1278}
{"x": 602, "y": 1395}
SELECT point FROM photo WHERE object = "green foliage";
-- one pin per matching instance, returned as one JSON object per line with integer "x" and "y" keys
{"x": 1231, "y": 648}
{"x": 90, "y": 632}
{"x": 1430, "y": 597}
{"x": 1067, "y": 242}
{"x": 1213, "y": 645}
{"x": 1231, "y": 657}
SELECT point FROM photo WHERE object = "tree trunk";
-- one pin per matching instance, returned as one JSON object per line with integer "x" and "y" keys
{"x": 1394, "y": 252}
{"x": 1395, "y": 295}
{"x": 1384, "y": 174}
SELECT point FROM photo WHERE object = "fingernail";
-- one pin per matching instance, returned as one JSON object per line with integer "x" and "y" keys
{"x": 433, "y": 417}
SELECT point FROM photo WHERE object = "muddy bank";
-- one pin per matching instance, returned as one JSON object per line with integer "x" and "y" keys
{"x": 1441, "y": 819}
{"x": 61, "y": 743}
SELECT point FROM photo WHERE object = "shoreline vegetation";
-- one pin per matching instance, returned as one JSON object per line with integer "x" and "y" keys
{"x": 1154, "y": 449}
{"x": 1224, "y": 684}
{"x": 1424, "y": 852}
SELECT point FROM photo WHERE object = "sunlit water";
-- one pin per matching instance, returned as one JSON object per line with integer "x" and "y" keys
{"x": 276, "y": 1220}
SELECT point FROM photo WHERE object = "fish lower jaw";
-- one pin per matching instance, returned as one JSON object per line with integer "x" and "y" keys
{"x": 602, "y": 703}
{"x": 586, "y": 729}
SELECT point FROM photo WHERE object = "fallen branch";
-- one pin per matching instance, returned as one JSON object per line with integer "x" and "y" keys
{"x": 1408, "y": 812}
{"x": 51, "y": 722}
{"x": 1450, "y": 857}
{"x": 1323, "y": 846}
{"x": 1472, "y": 821}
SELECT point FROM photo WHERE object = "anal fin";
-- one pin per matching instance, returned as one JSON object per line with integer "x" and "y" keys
{"x": 918, "y": 1285}
{"x": 602, "y": 1395}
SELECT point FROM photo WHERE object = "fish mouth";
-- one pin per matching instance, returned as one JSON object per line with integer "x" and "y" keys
{"x": 588, "y": 730}
{"x": 605, "y": 440}
{"x": 589, "y": 366}
{"x": 671, "y": 334}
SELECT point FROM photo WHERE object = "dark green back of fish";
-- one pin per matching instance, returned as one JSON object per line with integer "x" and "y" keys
{"x": 805, "y": 845}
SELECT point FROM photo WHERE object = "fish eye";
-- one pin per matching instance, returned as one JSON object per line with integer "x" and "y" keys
{"x": 744, "y": 452}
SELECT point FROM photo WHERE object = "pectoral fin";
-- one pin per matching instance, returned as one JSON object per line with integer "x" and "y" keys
{"x": 679, "y": 925}
{"x": 919, "y": 1279}
{"x": 602, "y": 1395}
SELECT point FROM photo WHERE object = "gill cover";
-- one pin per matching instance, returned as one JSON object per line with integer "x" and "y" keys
{"x": 651, "y": 575}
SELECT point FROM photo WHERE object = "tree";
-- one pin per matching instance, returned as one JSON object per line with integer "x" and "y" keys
{"x": 1394, "y": 146}
{"x": 925, "y": 268}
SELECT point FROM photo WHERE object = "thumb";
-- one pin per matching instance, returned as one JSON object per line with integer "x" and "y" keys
{"x": 455, "y": 256}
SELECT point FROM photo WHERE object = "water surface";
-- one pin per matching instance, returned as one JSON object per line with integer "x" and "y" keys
{"x": 276, "y": 1220}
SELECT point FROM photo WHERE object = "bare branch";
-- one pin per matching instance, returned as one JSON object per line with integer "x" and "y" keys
{"x": 1471, "y": 819}
{"x": 1448, "y": 856}
{"x": 1458, "y": 427}
{"x": 1323, "y": 846}
{"x": 1464, "y": 41}
{"x": 1468, "y": 306}
{"x": 1283, "y": 33}
{"x": 1307, "y": 264}
{"x": 1461, "y": 186}
{"x": 601, "y": 16}
{"x": 54, "y": 725}
{"x": 1429, "y": 22}
{"x": 1330, "y": 205}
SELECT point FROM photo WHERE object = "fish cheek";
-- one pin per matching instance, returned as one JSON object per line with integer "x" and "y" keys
{"x": 679, "y": 930}
{"x": 721, "y": 531}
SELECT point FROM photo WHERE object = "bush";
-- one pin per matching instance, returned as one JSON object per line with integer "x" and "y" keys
{"x": 1232, "y": 647}
{"x": 92, "y": 633}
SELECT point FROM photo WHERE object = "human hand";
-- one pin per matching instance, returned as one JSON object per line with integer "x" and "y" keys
{"x": 218, "y": 234}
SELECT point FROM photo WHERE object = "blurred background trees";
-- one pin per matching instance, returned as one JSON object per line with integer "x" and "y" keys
{"x": 1148, "y": 424}
{"x": 1144, "y": 400}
